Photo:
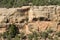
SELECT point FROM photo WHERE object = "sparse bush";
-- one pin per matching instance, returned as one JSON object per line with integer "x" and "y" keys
{"x": 5, "y": 34}
{"x": 44, "y": 35}
{"x": 11, "y": 33}
{"x": 0, "y": 35}
{"x": 36, "y": 35}
{"x": 58, "y": 34}
{"x": 22, "y": 36}
{"x": 55, "y": 38}
{"x": 50, "y": 37}
{"x": 30, "y": 36}
{"x": 17, "y": 37}
{"x": 13, "y": 30}
{"x": 49, "y": 30}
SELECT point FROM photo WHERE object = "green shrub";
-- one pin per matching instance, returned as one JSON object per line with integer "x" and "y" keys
{"x": 44, "y": 35}
{"x": 5, "y": 34}
{"x": 35, "y": 35}
{"x": 50, "y": 37}
{"x": 55, "y": 38}
{"x": 12, "y": 32}
{"x": 17, "y": 37}
{"x": 58, "y": 34}
{"x": 30, "y": 36}
{"x": 23, "y": 36}
{"x": 49, "y": 30}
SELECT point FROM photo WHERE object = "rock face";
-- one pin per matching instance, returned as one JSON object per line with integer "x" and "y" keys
{"x": 49, "y": 14}
{"x": 44, "y": 11}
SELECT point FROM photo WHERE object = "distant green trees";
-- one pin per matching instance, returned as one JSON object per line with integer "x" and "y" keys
{"x": 13, "y": 3}
{"x": 19, "y": 3}
{"x": 46, "y": 2}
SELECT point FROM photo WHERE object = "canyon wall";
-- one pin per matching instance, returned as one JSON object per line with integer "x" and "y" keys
{"x": 51, "y": 12}
{"x": 26, "y": 14}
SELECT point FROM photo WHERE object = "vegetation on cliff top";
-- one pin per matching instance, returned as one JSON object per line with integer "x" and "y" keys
{"x": 19, "y": 3}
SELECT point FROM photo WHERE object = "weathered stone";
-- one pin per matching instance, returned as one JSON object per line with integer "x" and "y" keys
{"x": 19, "y": 15}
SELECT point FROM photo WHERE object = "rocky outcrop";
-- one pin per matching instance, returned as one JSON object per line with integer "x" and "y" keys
{"x": 44, "y": 11}
{"x": 25, "y": 14}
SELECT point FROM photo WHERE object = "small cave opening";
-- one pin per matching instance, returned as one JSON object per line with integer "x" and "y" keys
{"x": 26, "y": 19}
{"x": 44, "y": 19}
{"x": 41, "y": 18}
{"x": 58, "y": 23}
{"x": 7, "y": 21}
{"x": 34, "y": 19}
{"x": 22, "y": 21}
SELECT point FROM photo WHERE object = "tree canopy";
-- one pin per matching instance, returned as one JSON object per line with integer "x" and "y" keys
{"x": 19, "y": 3}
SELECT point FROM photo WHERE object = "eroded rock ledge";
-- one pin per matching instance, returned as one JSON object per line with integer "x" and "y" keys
{"x": 36, "y": 17}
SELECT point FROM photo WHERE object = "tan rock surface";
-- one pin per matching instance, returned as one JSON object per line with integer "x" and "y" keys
{"x": 36, "y": 11}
